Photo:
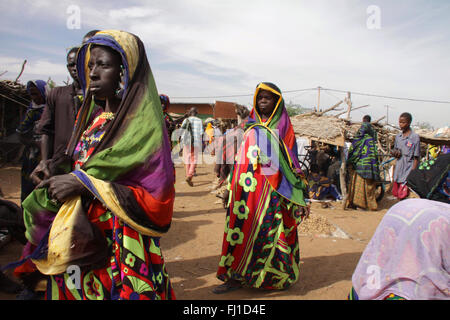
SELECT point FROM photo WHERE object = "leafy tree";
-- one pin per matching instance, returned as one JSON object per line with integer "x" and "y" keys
{"x": 294, "y": 109}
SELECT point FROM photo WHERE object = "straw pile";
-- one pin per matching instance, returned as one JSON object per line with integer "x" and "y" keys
{"x": 316, "y": 225}
{"x": 319, "y": 226}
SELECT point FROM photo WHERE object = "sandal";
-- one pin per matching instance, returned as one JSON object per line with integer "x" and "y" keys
{"x": 189, "y": 181}
{"x": 226, "y": 287}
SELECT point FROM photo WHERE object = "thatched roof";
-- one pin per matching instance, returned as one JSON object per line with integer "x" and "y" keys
{"x": 325, "y": 127}
{"x": 14, "y": 92}
{"x": 8, "y": 85}
{"x": 14, "y": 99}
{"x": 334, "y": 130}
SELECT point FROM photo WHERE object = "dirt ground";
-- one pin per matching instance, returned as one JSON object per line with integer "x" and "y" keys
{"x": 331, "y": 243}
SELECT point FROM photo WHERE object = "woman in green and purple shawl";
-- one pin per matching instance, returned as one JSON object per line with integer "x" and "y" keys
{"x": 119, "y": 175}
{"x": 363, "y": 167}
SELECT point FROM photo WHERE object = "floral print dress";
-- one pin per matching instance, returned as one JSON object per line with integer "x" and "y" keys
{"x": 260, "y": 244}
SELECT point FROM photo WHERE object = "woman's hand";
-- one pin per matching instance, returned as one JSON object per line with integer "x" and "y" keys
{"x": 41, "y": 172}
{"x": 63, "y": 187}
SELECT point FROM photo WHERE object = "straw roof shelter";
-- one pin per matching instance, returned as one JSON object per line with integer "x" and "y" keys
{"x": 336, "y": 131}
{"x": 14, "y": 100}
{"x": 330, "y": 129}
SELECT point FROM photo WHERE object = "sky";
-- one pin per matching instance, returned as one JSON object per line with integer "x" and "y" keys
{"x": 208, "y": 50}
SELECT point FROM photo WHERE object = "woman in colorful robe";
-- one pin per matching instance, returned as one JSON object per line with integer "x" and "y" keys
{"x": 408, "y": 256}
{"x": 266, "y": 201}
{"x": 363, "y": 168}
{"x": 119, "y": 177}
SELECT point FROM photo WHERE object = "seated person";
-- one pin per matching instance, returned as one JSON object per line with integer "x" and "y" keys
{"x": 320, "y": 187}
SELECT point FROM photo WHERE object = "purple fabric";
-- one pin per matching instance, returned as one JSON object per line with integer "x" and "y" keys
{"x": 409, "y": 254}
{"x": 42, "y": 220}
{"x": 146, "y": 177}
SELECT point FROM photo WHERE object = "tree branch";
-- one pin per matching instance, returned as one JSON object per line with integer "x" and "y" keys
{"x": 21, "y": 71}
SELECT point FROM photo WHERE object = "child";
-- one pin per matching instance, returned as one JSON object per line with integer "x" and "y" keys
{"x": 407, "y": 152}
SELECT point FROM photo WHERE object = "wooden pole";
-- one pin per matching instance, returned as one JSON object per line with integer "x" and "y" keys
{"x": 388, "y": 143}
{"x": 352, "y": 109}
{"x": 318, "y": 99}
{"x": 342, "y": 177}
{"x": 349, "y": 103}
{"x": 331, "y": 108}
{"x": 387, "y": 114}
{"x": 376, "y": 122}
{"x": 2, "y": 123}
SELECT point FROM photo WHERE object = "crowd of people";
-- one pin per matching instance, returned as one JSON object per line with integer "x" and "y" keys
{"x": 98, "y": 189}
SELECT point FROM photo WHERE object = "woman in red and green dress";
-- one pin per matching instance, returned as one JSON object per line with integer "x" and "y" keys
{"x": 266, "y": 201}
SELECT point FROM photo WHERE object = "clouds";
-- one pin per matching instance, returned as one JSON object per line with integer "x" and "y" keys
{"x": 35, "y": 69}
{"x": 132, "y": 13}
{"x": 204, "y": 48}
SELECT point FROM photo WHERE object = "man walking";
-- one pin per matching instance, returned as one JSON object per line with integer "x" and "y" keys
{"x": 192, "y": 143}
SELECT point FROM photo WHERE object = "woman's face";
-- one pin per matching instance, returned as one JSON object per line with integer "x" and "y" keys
{"x": 104, "y": 72}
{"x": 36, "y": 95}
{"x": 266, "y": 101}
